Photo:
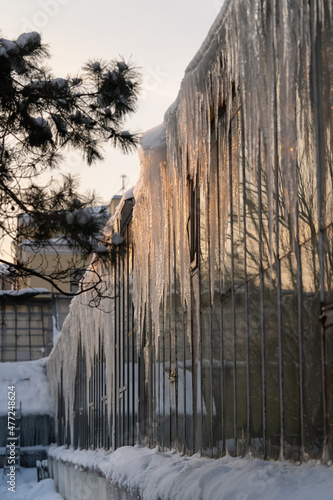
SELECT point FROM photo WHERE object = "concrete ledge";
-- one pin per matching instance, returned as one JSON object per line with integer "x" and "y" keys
{"x": 79, "y": 483}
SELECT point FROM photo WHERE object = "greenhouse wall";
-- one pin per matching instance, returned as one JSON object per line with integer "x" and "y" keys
{"x": 213, "y": 332}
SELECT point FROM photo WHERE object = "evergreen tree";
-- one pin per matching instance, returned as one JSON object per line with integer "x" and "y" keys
{"x": 41, "y": 117}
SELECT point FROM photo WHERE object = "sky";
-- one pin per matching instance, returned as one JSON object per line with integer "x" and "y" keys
{"x": 161, "y": 37}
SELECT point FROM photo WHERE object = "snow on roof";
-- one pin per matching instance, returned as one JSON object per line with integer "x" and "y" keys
{"x": 24, "y": 292}
{"x": 152, "y": 474}
{"x": 154, "y": 138}
{"x": 153, "y": 144}
{"x": 31, "y": 387}
{"x": 129, "y": 193}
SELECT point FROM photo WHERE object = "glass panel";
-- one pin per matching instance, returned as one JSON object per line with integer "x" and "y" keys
{"x": 206, "y": 382}
{"x": 290, "y": 353}
{"x": 256, "y": 382}
{"x": 329, "y": 382}
{"x": 252, "y": 220}
{"x": 217, "y": 377}
{"x": 328, "y": 256}
{"x": 237, "y": 200}
{"x": 228, "y": 375}
{"x": 196, "y": 365}
{"x": 204, "y": 249}
{"x": 22, "y": 340}
{"x": 22, "y": 354}
{"x": 188, "y": 384}
{"x": 241, "y": 372}
{"x": 9, "y": 355}
{"x": 180, "y": 369}
{"x": 173, "y": 360}
{"x": 272, "y": 363}
{"x": 167, "y": 402}
{"x": 9, "y": 338}
{"x": 224, "y": 207}
{"x": 160, "y": 391}
{"x": 312, "y": 375}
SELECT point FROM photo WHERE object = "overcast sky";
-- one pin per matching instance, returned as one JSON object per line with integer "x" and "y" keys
{"x": 160, "y": 36}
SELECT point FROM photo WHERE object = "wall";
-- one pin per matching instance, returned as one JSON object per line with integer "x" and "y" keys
{"x": 76, "y": 483}
{"x": 211, "y": 339}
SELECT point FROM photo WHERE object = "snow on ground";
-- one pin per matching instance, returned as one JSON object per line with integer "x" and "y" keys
{"x": 27, "y": 488}
{"x": 31, "y": 387}
{"x": 171, "y": 476}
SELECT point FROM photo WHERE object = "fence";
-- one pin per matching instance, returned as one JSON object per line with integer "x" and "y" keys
{"x": 217, "y": 336}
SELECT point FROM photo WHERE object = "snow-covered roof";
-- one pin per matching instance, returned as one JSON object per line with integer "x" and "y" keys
{"x": 31, "y": 387}
{"x": 24, "y": 292}
{"x": 154, "y": 138}
{"x": 129, "y": 193}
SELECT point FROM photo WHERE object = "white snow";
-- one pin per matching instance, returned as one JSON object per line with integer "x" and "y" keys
{"x": 56, "y": 332}
{"x": 27, "y": 488}
{"x": 31, "y": 387}
{"x": 25, "y": 39}
{"x": 128, "y": 195}
{"x": 170, "y": 475}
{"x": 101, "y": 249}
{"x": 5, "y": 270}
{"x": 42, "y": 123}
{"x": 154, "y": 138}
{"x": 125, "y": 134}
{"x": 9, "y": 46}
{"x": 117, "y": 239}
{"x": 59, "y": 83}
{"x": 122, "y": 65}
{"x": 24, "y": 292}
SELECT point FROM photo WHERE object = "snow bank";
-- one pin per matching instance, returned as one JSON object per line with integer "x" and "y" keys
{"x": 169, "y": 475}
{"x": 32, "y": 387}
{"x": 27, "y": 487}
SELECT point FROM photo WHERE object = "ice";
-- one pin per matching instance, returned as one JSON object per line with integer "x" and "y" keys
{"x": 258, "y": 65}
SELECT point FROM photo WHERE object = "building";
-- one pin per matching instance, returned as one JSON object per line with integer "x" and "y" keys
{"x": 56, "y": 258}
{"x": 33, "y": 309}
{"x": 217, "y": 337}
